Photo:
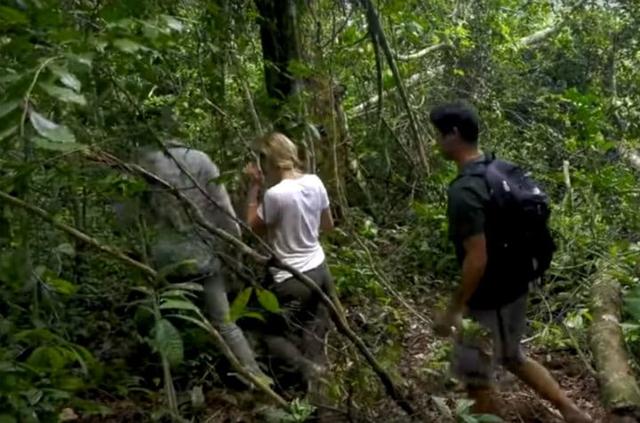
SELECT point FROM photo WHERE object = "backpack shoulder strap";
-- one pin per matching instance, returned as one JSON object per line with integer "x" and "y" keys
{"x": 480, "y": 171}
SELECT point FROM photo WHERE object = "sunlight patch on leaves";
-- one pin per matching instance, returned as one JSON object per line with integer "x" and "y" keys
{"x": 50, "y": 130}
{"x": 128, "y": 46}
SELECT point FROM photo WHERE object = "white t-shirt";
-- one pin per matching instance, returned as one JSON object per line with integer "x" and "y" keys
{"x": 291, "y": 210}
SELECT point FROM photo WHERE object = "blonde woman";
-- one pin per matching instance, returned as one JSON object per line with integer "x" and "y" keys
{"x": 293, "y": 211}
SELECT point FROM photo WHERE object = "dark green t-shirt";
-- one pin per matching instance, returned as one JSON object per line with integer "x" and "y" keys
{"x": 467, "y": 196}
{"x": 468, "y": 200}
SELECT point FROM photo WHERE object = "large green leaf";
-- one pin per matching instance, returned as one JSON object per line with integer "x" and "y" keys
{"x": 183, "y": 266}
{"x": 4, "y": 134}
{"x": 66, "y": 249}
{"x": 64, "y": 147}
{"x": 11, "y": 16}
{"x": 8, "y": 107}
{"x": 268, "y": 300}
{"x": 62, "y": 286}
{"x": 253, "y": 315}
{"x": 84, "y": 358}
{"x": 187, "y": 286}
{"x": 239, "y": 304}
{"x": 168, "y": 342}
{"x": 66, "y": 78}
{"x": 173, "y": 304}
{"x": 70, "y": 383}
{"x": 34, "y": 396}
{"x": 178, "y": 294}
{"x": 36, "y": 336}
{"x": 173, "y": 23}
{"x": 50, "y": 130}
{"x": 64, "y": 94}
{"x": 48, "y": 358}
{"x": 128, "y": 46}
{"x": 85, "y": 59}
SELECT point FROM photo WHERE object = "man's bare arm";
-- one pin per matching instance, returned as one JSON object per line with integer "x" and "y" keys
{"x": 473, "y": 269}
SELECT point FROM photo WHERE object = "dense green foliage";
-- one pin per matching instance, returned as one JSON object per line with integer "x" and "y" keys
{"x": 87, "y": 76}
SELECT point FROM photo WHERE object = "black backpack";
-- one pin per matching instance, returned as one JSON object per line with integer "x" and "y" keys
{"x": 520, "y": 246}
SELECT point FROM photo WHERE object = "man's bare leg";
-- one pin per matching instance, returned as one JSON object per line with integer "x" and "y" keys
{"x": 540, "y": 380}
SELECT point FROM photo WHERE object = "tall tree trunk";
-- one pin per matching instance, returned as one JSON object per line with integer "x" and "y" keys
{"x": 280, "y": 39}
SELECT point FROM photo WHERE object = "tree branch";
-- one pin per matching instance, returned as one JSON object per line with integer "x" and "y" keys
{"x": 539, "y": 36}
{"x": 421, "y": 53}
{"x": 79, "y": 235}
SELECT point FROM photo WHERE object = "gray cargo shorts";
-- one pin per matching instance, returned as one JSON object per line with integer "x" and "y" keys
{"x": 489, "y": 338}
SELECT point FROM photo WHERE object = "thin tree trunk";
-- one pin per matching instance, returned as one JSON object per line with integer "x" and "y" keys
{"x": 375, "y": 27}
{"x": 280, "y": 39}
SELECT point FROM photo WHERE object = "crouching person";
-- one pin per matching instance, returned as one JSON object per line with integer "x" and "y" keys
{"x": 293, "y": 211}
{"x": 176, "y": 239}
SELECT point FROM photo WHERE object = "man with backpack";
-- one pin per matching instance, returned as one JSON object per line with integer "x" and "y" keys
{"x": 498, "y": 225}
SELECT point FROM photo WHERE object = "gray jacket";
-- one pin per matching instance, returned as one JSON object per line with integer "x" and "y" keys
{"x": 175, "y": 237}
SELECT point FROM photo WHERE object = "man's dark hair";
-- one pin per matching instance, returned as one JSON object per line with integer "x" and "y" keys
{"x": 459, "y": 115}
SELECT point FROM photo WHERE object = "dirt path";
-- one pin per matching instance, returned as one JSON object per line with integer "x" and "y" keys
{"x": 424, "y": 367}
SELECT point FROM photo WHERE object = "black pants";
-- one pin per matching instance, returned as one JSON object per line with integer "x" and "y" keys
{"x": 297, "y": 336}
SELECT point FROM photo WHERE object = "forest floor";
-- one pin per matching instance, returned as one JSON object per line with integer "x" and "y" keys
{"x": 520, "y": 404}
{"x": 423, "y": 367}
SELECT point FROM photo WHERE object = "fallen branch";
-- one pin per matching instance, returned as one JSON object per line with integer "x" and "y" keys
{"x": 619, "y": 389}
{"x": 119, "y": 255}
{"x": 272, "y": 261}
